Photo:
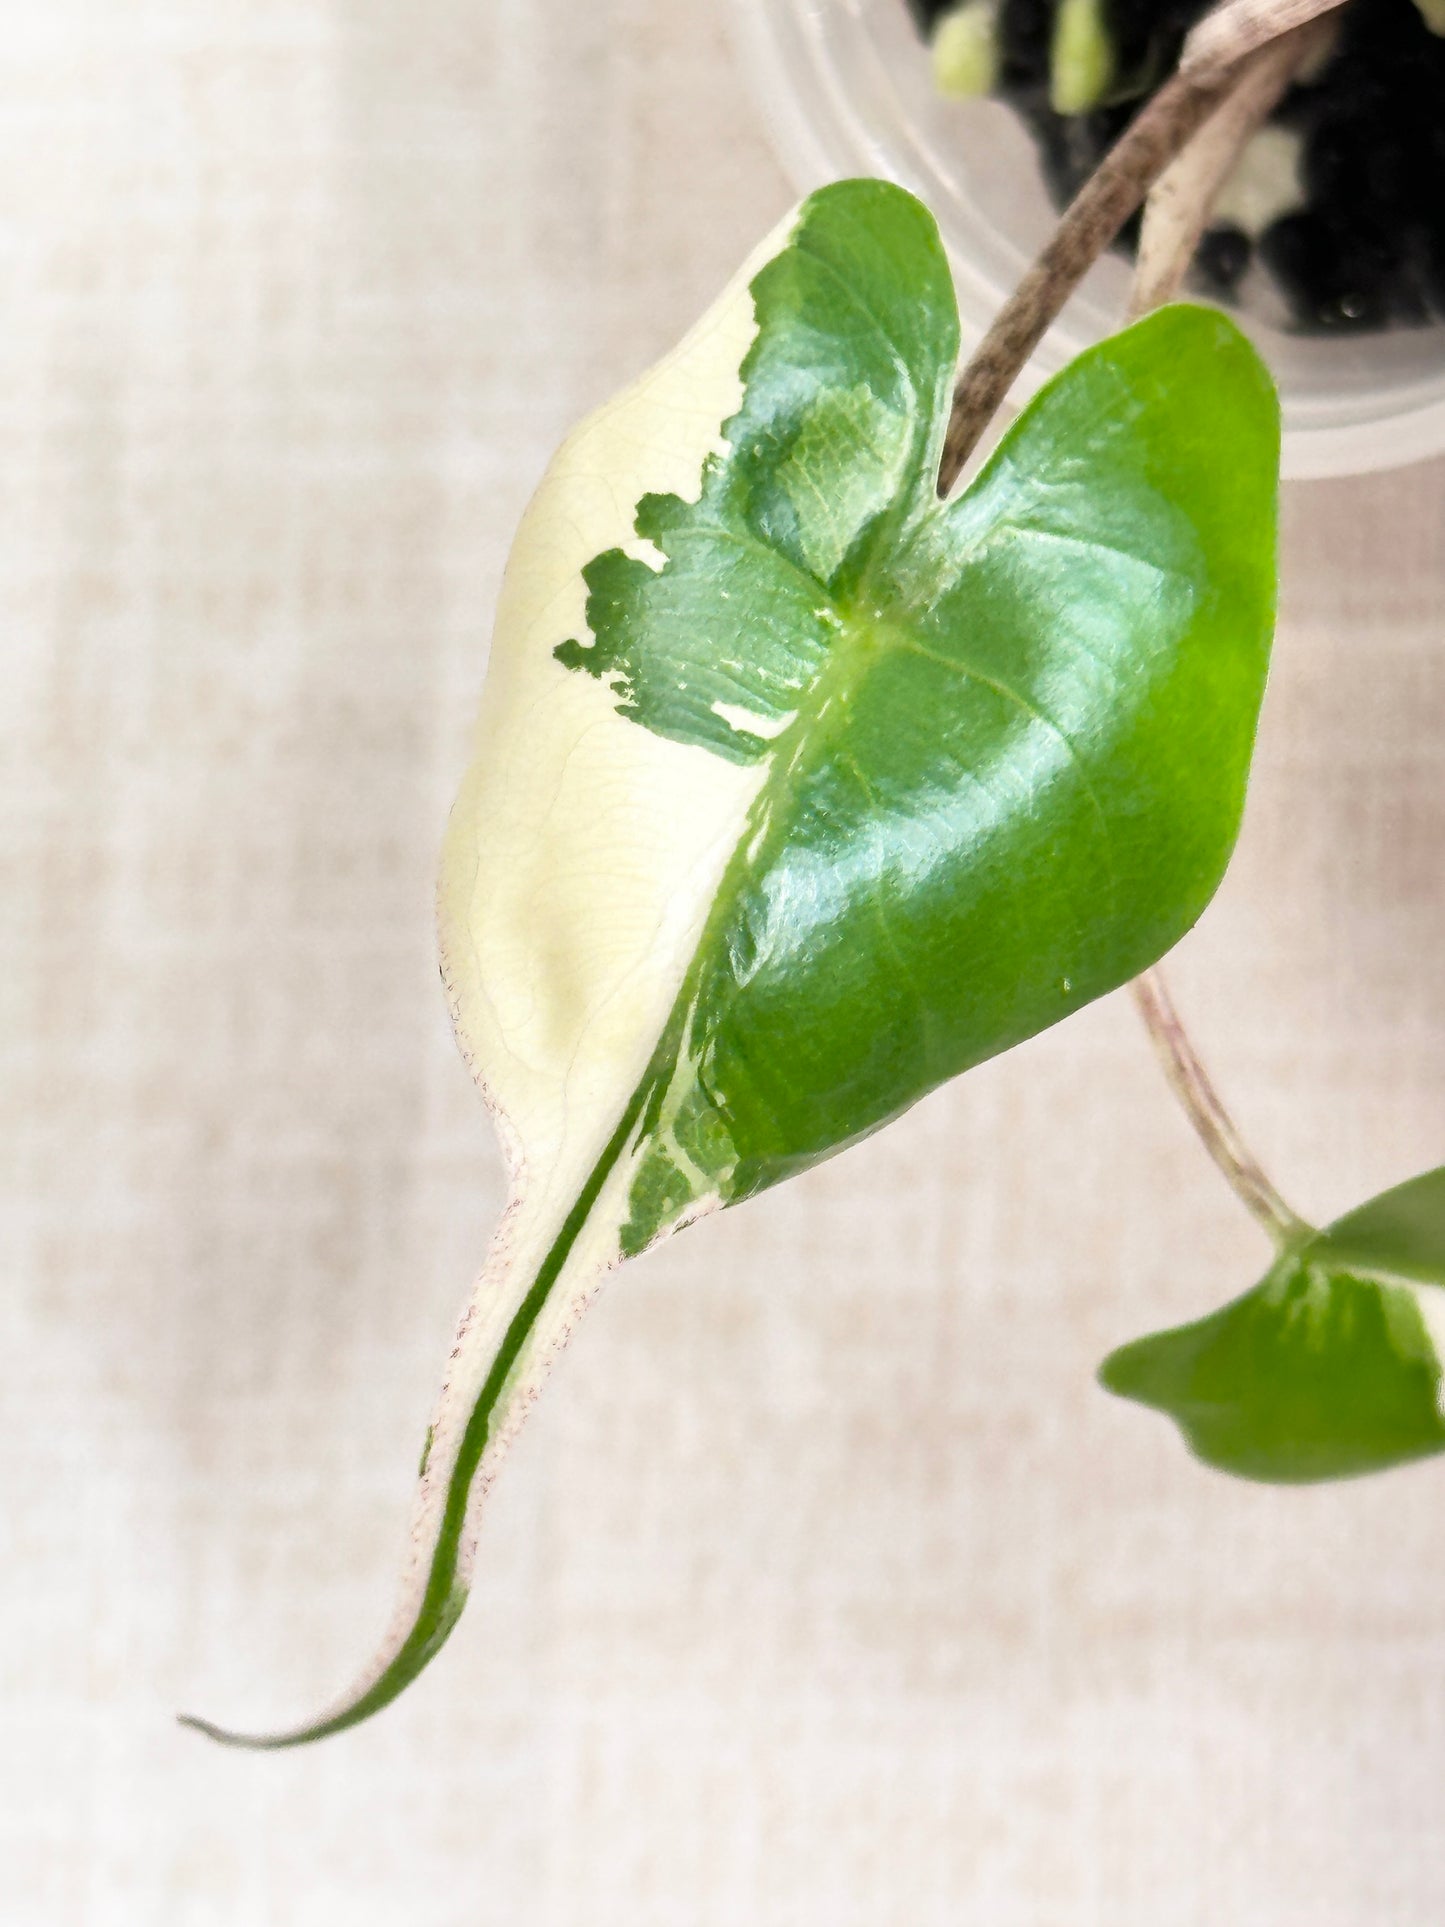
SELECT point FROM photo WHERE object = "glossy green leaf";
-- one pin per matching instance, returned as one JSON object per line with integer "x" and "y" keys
{"x": 1330, "y": 1367}
{"x": 797, "y": 791}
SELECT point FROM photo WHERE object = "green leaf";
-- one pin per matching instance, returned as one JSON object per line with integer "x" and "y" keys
{"x": 1330, "y": 1367}
{"x": 797, "y": 791}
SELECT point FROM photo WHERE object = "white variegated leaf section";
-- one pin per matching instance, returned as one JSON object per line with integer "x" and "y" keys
{"x": 580, "y": 863}
{"x": 581, "y": 860}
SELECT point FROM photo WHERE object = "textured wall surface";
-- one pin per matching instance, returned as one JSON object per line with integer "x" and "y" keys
{"x": 824, "y": 1589}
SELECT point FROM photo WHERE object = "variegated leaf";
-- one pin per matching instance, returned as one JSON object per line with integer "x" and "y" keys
{"x": 797, "y": 791}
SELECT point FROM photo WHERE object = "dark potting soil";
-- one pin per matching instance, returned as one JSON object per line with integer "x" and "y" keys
{"x": 1361, "y": 243}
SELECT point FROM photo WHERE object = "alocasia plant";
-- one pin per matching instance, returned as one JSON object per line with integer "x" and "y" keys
{"x": 798, "y": 790}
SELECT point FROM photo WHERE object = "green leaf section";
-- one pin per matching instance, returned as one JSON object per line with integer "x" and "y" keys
{"x": 831, "y": 457}
{"x": 1006, "y": 738}
{"x": 1330, "y": 1367}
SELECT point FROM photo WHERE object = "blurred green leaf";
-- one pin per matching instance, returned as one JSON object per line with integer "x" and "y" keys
{"x": 1330, "y": 1367}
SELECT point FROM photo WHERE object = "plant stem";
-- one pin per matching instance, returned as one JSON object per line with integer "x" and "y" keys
{"x": 1212, "y": 57}
{"x": 1235, "y": 65}
{"x": 1191, "y": 1084}
{"x": 1092, "y": 220}
{"x": 1175, "y": 216}
{"x": 1181, "y": 200}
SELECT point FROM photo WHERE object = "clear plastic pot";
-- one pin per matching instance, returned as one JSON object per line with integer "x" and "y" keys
{"x": 846, "y": 88}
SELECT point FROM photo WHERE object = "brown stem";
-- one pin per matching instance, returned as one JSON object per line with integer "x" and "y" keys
{"x": 1191, "y": 1085}
{"x": 1238, "y": 28}
{"x": 1180, "y": 201}
{"x": 1094, "y": 217}
{"x": 1211, "y": 57}
{"x": 1230, "y": 75}
{"x": 1175, "y": 216}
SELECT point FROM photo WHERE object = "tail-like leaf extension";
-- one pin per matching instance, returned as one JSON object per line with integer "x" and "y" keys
{"x": 797, "y": 792}
{"x": 495, "y": 1368}
{"x": 1330, "y": 1367}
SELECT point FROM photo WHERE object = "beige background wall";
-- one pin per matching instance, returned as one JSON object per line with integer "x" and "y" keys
{"x": 824, "y": 1590}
